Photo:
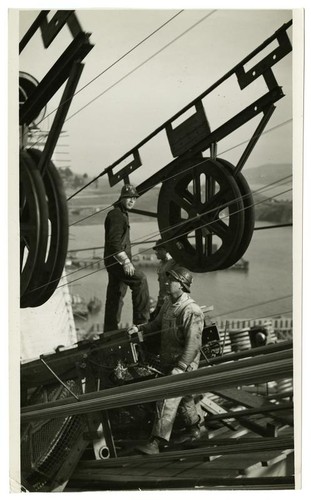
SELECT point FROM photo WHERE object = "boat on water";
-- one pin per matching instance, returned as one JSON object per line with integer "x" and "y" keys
{"x": 79, "y": 306}
{"x": 240, "y": 265}
{"x": 94, "y": 305}
{"x": 145, "y": 257}
{"x": 73, "y": 261}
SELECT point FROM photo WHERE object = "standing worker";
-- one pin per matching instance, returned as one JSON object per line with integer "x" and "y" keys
{"x": 121, "y": 271}
{"x": 181, "y": 322}
{"x": 166, "y": 263}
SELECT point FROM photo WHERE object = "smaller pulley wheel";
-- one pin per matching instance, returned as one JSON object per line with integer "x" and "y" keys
{"x": 45, "y": 281}
{"x": 249, "y": 215}
{"x": 33, "y": 221}
{"x": 201, "y": 214}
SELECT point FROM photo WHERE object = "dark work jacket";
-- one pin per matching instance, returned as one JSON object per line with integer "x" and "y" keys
{"x": 117, "y": 234}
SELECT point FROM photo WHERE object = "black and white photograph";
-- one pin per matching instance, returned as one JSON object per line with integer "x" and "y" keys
{"x": 157, "y": 192}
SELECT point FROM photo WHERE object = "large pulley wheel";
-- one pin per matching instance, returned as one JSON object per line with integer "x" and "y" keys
{"x": 201, "y": 214}
{"x": 33, "y": 221}
{"x": 46, "y": 277}
{"x": 249, "y": 214}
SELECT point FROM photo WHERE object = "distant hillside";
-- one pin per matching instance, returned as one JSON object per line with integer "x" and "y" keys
{"x": 265, "y": 174}
{"x": 99, "y": 195}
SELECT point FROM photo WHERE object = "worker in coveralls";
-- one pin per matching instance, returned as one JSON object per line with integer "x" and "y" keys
{"x": 181, "y": 323}
{"x": 166, "y": 263}
{"x": 118, "y": 262}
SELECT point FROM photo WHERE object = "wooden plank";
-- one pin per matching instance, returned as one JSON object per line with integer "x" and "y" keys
{"x": 247, "y": 399}
{"x": 241, "y": 397}
{"x": 250, "y": 411}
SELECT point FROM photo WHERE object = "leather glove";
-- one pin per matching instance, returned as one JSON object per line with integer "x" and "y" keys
{"x": 128, "y": 268}
{"x": 133, "y": 329}
{"x": 176, "y": 371}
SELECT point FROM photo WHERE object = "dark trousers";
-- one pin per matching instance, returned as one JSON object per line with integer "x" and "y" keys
{"x": 116, "y": 290}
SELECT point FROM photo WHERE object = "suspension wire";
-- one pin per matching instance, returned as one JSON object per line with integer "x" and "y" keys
{"x": 218, "y": 316}
{"x": 290, "y": 224}
{"x": 139, "y": 66}
{"x": 148, "y": 238}
{"x": 225, "y": 151}
{"x": 220, "y": 207}
{"x": 120, "y": 80}
{"x": 117, "y": 60}
{"x": 111, "y": 65}
{"x": 179, "y": 36}
{"x": 286, "y": 122}
{"x": 187, "y": 221}
{"x": 91, "y": 215}
{"x": 256, "y": 305}
{"x": 258, "y": 228}
{"x": 273, "y": 128}
{"x": 165, "y": 180}
{"x": 144, "y": 62}
{"x": 150, "y": 334}
{"x": 138, "y": 253}
{"x": 264, "y": 188}
{"x": 109, "y": 206}
{"x": 152, "y": 235}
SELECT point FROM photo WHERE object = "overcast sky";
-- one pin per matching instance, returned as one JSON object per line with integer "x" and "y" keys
{"x": 176, "y": 72}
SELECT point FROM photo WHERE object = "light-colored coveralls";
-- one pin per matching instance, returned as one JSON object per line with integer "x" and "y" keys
{"x": 181, "y": 326}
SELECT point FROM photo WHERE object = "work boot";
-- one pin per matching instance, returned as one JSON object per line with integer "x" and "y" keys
{"x": 150, "y": 448}
{"x": 192, "y": 433}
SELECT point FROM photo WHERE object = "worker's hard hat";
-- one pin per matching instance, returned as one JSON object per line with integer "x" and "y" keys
{"x": 129, "y": 191}
{"x": 182, "y": 275}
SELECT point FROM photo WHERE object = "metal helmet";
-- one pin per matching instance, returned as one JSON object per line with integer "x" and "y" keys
{"x": 129, "y": 191}
{"x": 182, "y": 275}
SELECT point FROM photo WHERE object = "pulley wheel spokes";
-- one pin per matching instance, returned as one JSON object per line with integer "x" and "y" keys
{"x": 249, "y": 215}
{"x": 200, "y": 215}
{"x": 33, "y": 221}
{"x": 45, "y": 281}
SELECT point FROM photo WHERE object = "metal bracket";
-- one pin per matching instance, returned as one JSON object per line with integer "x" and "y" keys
{"x": 193, "y": 135}
{"x": 68, "y": 66}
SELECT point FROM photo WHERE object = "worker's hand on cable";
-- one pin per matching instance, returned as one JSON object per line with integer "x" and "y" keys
{"x": 129, "y": 269}
{"x": 133, "y": 329}
{"x": 176, "y": 371}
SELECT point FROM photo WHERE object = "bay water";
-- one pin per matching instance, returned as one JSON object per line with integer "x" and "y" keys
{"x": 264, "y": 290}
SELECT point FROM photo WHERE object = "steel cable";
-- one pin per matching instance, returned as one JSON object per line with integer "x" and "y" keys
{"x": 165, "y": 180}
{"x": 115, "y": 62}
{"x": 138, "y": 253}
{"x": 137, "y": 67}
{"x": 258, "y": 228}
{"x": 169, "y": 228}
